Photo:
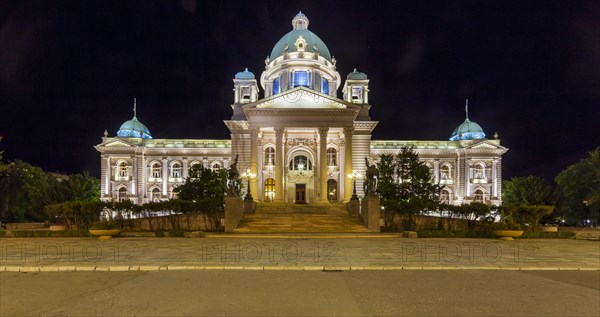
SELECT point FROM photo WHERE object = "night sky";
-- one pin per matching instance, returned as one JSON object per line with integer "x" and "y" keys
{"x": 70, "y": 69}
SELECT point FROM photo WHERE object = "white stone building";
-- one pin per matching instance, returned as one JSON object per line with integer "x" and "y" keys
{"x": 300, "y": 140}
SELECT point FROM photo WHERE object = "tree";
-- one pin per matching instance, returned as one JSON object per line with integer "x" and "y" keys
{"x": 527, "y": 191}
{"x": 579, "y": 187}
{"x": 207, "y": 189}
{"x": 405, "y": 186}
{"x": 23, "y": 192}
{"x": 76, "y": 187}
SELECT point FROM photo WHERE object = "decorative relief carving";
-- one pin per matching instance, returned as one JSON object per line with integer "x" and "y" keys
{"x": 311, "y": 143}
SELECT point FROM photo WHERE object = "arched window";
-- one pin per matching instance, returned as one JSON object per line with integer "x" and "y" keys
{"x": 122, "y": 194}
{"x": 270, "y": 156}
{"x": 445, "y": 172}
{"x": 155, "y": 195}
{"x": 216, "y": 166}
{"x": 331, "y": 157}
{"x": 445, "y": 197}
{"x": 300, "y": 163}
{"x": 175, "y": 170}
{"x": 155, "y": 170}
{"x": 269, "y": 189}
{"x": 479, "y": 171}
{"x": 123, "y": 171}
{"x": 479, "y": 196}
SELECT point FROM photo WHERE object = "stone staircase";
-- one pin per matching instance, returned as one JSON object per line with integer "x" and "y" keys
{"x": 292, "y": 218}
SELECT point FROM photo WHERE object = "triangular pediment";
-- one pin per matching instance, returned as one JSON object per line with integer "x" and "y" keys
{"x": 487, "y": 145}
{"x": 117, "y": 143}
{"x": 299, "y": 98}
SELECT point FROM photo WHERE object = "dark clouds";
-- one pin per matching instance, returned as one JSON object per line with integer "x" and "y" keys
{"x": 70, "y": 69}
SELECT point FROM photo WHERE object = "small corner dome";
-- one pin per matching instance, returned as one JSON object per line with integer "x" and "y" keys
{"x": 300, "y": 29}
{"x": 468, "y": 130}
{"x": 134, "y": 129}
{"x": 245, "y": 75}
{"x": 356, "y": 75}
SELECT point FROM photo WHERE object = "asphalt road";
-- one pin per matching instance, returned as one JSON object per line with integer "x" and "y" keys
{"x": 302, "y": 293}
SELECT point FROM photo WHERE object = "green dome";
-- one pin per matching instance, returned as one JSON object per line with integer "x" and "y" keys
{"x": 468, "y": 130}
{"x": 245, "y": 75}
{"x": 356, "y": 75}
{"x": 300, "y": 23}
{"x": 134, "y": 129}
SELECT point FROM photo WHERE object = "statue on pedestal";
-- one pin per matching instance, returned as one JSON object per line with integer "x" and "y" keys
{"x": 234, "y": 186}
{"x": 370, "y": 183}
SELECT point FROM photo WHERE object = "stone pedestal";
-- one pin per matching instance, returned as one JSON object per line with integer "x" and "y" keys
{"x": 234, "y": 211}
{"x": 353, "y": 207}
{"x": 371, "y": 213}
{"x": 249, "y": 206}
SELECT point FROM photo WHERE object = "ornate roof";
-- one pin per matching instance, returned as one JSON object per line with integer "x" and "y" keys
{"x": 300, "y": 30}
{"x": 134, "y": 129}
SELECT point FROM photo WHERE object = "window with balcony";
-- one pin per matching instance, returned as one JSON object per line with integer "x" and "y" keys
{"x": 176, "y": 170}
{"x": 331, "y": 157}
{"x": 123, "y": 170}
{"x": 269, "y": 156}
{"x": 155, "y": 171}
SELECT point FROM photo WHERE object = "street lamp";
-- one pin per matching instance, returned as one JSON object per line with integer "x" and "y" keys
{"x": 354, "y": 176}
{"x": 249, "y": 175}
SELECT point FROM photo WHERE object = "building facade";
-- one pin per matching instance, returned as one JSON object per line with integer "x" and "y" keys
{"x": 300, "y": 140}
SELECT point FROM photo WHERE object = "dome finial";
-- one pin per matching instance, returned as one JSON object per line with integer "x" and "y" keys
{"x": 467, "y": 109}
{"x": 134, "y": 107}
{"x": 300, "y": 21}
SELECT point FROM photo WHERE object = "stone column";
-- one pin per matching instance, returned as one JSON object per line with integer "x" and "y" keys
{"x": 165, "y": 176}
{"x": 185, "y": 167}
{"x": 467, "y": 178}
{"x": 254, "y": 161}
{"x": 279, "y": 165}
{"x": 348, "y": 163}
{"x": 436, "y": 171}
{"x": 134, "y": 176}
{"x": 494, "y": 178}
{"x": 107, "y": 179}
{"x": 323, "y": 162}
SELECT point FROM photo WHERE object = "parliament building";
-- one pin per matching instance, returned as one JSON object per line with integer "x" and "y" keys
{"x": 298, "y": 138}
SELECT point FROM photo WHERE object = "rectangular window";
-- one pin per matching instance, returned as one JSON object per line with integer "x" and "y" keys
{"x": 276, "y": 86}
{"x": 356, "y": 93}
{"x": 245, "y": 92}
{"x": 325, "y": 86}
{"x": 301, "y": 78}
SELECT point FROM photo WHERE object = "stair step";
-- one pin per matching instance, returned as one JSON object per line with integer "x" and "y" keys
{"x": 309, "y": 218}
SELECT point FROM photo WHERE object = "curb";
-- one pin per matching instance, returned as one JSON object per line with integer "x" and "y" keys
{"x": 125, "y": 268}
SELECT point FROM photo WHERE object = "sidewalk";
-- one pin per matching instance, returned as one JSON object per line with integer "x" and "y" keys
{"x": 294, "y": 252}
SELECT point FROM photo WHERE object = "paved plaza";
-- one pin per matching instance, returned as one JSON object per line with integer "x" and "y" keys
{"x": 295, "y": 252}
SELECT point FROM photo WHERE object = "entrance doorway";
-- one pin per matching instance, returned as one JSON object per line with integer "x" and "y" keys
{"x": 300, "y": 193}
{"x": 331, "y": 190}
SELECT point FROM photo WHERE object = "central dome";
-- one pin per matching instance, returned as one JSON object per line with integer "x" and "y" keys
{"x": 313, "y": 42}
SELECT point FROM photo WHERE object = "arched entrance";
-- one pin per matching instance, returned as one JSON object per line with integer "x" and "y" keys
{"x": 300, "y": 178}
{"x": 332, "y": 190}
{"x": 269, "y": 189}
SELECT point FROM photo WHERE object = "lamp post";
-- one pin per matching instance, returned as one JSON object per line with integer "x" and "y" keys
{"x": 354, "y": 176}
{"x": 249, "y": 175}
